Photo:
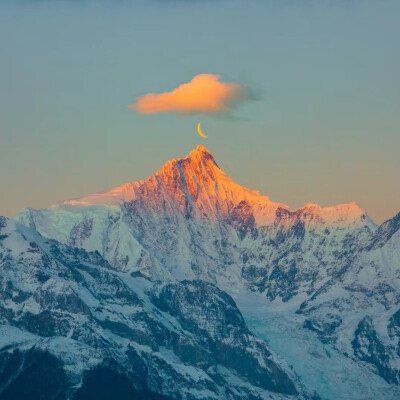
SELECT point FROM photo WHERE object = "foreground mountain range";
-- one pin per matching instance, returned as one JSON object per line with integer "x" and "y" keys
{"x": 189, "y": 286}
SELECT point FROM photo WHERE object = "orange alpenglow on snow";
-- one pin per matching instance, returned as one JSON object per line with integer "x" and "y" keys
{"x": 204, "y": 94}
{"x": 197, "y": 183}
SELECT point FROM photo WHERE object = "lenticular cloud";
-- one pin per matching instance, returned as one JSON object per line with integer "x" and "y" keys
{"x": 204, "y": 94}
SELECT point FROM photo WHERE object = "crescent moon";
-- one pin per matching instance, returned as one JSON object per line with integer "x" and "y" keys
{"x": 200, "y": 132}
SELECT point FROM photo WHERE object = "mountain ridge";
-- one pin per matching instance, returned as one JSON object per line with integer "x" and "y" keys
{"x": 199, "y": 176}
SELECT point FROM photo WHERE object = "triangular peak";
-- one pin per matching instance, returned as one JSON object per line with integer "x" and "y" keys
{"x": 198, "y": 178}
{"x": 199, "y": 155}
{"x": 200, "y": 149}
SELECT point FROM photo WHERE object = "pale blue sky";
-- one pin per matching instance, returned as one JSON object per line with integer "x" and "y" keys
{"x": 326, "y": 127}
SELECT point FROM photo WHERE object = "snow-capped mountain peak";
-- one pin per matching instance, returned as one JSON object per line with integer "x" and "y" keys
{"x": 196, "y": 185}
{"x": 191, "y": 210}
{"x": 195, "y": 180}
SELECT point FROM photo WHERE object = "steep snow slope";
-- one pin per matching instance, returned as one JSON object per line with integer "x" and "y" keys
{"x": 363, "y": 304}
{"x": 320, "y": 364}
{"x": 72, "y": 327}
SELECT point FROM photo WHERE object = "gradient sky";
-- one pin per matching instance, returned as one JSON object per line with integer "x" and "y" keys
{"x": 326, "y": 127}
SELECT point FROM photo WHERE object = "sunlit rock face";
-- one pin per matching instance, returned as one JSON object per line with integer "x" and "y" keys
{"x": 329, "y": 274}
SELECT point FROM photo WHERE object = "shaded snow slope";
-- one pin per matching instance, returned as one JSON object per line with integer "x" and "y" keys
{"x": 72, "y": 318}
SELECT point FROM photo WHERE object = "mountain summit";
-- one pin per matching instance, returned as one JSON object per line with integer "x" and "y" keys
{"x": 198, "y": 187}
{"x": 188, "y": 213}
{"x": 197, "y": 177}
